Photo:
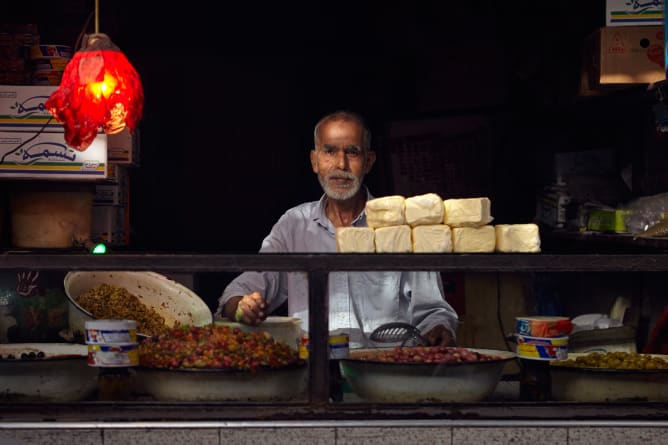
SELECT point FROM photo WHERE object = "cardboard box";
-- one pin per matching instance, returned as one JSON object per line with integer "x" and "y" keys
{"x": 109, "y": 194}
{"x": 22, "y": 108}
{"x": 625, "y": 55}
{"x": 630, "y": 13}
{"x": 110, "y": 225}
{"x": 123, "y": 148}
{"x": 47, "y": 156}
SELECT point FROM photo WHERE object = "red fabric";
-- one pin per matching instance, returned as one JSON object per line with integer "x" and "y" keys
{"x": 658, "y": 340}
{"x": 98, "y": 89}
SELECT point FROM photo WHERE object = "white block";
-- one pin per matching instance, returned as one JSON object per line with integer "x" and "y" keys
{"x": 517, "y": 238}
{"x": 467, "y": 212}
{"x": 473, "y": 239}
{"x": 355, "y": 240}
{"x": 435, "y": 238}
{"x": 386, "y": 211}
{"x": 394, "y": 239}
{"x": 424, "y": 210}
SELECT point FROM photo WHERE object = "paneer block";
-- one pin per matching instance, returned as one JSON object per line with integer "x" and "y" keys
{"x": 386, "y": 211}
{"x": 394, "y": 239}
{"x": 467, "y": 212}
{"x": 517, "y": 238}
{"x": 436, "y": 238}
{"x": 424, "y": 209}
{"x": 355, "y": 240}
{"x": 473, "y": 239}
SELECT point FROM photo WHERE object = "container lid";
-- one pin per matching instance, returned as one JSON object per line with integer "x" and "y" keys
{"x": 116, "y": 325}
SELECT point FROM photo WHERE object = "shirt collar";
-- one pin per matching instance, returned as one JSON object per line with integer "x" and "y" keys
{"x": 320, "y": 216}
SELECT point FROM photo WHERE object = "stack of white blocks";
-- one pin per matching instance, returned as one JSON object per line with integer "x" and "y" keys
{"x": 428, "y": 224}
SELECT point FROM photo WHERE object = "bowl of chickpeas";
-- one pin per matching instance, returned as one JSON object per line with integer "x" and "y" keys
{"x": 154, "y": 301}
{"x": 610, "y": 377}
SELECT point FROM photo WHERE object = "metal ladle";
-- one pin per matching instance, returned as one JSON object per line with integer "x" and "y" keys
{"x": 396, "y": 332}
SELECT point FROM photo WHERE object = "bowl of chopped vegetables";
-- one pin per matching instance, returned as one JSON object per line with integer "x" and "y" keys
{"x": 424, "y": 373}
{"x": 610, "y": 376}
{"x": 154, "y": 301}
{"x": 218, "y": 362}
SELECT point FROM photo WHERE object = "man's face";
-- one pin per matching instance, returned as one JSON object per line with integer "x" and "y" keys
{"x": 340, "y": 161}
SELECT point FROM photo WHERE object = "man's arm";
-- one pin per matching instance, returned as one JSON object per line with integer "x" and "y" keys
{"x": 429, "y": 310}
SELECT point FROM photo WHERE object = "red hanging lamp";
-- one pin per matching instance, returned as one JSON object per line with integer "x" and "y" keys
{"x": 99, "y": 88}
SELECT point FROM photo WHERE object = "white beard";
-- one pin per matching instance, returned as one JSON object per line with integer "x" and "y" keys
{"x": 343, "y": 195}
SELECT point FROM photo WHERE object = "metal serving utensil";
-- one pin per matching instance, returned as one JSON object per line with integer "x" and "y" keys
{"x": 398, "y": 332}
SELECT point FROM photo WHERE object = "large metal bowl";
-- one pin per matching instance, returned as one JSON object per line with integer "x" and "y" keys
{"x": 377, "y": 381}
{"x": 173, "y": 301}
{"x": 288, "y": 384}
{"x": 575, "y": 384}
{"x": 46, "y": 372}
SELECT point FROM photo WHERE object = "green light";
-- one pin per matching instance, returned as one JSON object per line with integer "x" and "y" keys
{"x": 99, "y": 248}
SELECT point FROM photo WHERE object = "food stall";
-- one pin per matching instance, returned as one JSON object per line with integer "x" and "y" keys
{"x": 515, "y": 417}
{"x": 171, "y": 407}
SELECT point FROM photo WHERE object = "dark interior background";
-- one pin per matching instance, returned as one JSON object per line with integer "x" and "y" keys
{"x": 233, "y": 90}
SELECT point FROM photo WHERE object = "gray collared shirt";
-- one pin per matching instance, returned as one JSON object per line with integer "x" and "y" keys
{"x": 358, "y": 301}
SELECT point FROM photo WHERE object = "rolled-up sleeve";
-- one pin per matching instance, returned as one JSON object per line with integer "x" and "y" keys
{"x": 427, "y": 305}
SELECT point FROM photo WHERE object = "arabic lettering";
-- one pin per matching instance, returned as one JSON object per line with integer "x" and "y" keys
{"x": 49, "y": 152}
{"x": 635, "y": 4}
{"x": 29, "y": 105}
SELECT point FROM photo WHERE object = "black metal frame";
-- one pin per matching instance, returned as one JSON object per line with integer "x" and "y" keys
{"x": 318, "y": 406}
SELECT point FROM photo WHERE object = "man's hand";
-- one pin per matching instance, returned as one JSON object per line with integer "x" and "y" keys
{"x": 251, "y": 309}
{"x": 439, "y": 335}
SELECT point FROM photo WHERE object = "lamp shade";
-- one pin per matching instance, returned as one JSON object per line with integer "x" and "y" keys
{"x": 99, "y": 88}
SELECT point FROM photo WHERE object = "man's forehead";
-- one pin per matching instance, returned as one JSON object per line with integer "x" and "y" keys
{"x": 341, "y": 129}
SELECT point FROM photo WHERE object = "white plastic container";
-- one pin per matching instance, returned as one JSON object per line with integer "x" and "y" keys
{"x": 111, "y": 332}
{"x": 112, "y": 343}
{"x": 111, "y": 356}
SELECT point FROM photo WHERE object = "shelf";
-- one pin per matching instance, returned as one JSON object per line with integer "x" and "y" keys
{"x": 315, "y": 262}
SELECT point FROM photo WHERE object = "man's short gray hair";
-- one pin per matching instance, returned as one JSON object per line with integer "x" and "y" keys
{"x": 347, "y": 116}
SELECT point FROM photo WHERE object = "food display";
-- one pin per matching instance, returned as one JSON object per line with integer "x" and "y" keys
{"x": 424, "y": 373}
{"x": 386, "y": 211}
{"x": 155, "y": 294}
{"x": 113, "y": 302}
{"x": 424, "y": 354}
{"x": 467, "y": 212}
{"x": 435, "y": 238}
{"x": 610, "y": 376}
{"x": 216, "y": 347}
{"x": 473, "y": 239}
{"x": 394, "y": 239}
{"x": 218, "y": 362}
{"x": 428, "y": 224}
{"x": 355, "y": 239}
{"x": 423, "y": 210}
{"x": 517, "y": 238}
{"x": 614, "y": 360}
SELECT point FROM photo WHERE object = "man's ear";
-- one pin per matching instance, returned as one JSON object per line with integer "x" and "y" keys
{"x": 370, "y": 160}
{"x": 314, "y": 161}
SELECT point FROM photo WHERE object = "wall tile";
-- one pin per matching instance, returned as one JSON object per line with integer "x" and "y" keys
{"x": 390, "y": 436}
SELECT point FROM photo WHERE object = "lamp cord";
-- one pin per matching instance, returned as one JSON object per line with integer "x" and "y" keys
{"x": 97, "y": 16}
{"x": 83, "y": 31}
